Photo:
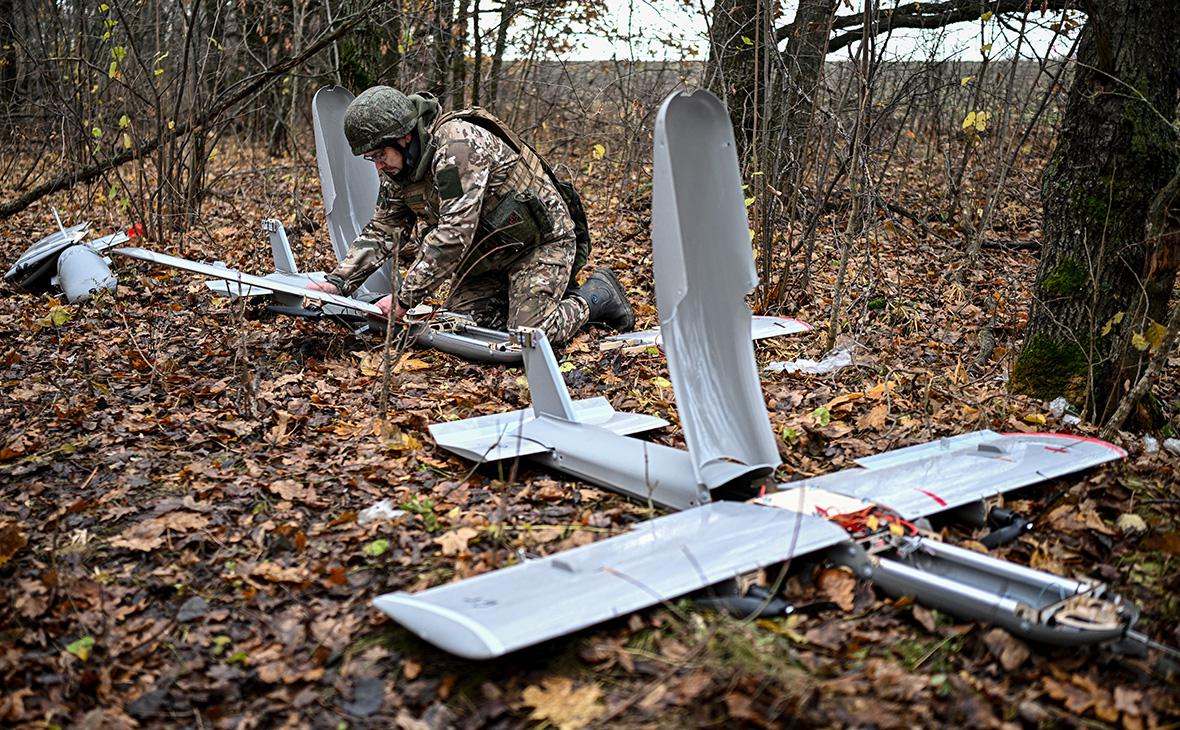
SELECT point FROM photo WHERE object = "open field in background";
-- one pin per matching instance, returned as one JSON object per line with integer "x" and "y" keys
{"x": 180, "y": 475}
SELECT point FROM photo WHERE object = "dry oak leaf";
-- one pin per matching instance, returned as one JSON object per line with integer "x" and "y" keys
{"x": 1011, "y": 652}
{"x": 11, "y": 540}
{"x": 880, "y": 390}
{"x": 278, "y": 574}
{"x": 838, "y": 585}
{"x": 32, "y": 598}
{"x": 654, "y": 699}
{"x": 842, "y": 403}
{"x": 411, "y": 669}
{"x": 410, "y": 364}
{"x": 455, "y": 542}
{"x": 875, "y": 419}
{"x": 1076, "y": 699}
{"x": 550, "y": 491}
{"x": 149, "y": 534}
{"x": 293, "y": 491}
{"x": 567, "y": 708}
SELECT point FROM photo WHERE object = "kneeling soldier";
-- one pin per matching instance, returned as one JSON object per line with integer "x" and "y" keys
{"x": 494, "y": 222}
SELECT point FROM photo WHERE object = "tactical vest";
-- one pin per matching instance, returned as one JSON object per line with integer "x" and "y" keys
{"x": 422, "y": 198}
{"x": 529, "y": 170}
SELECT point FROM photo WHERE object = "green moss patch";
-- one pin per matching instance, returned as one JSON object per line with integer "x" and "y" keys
{"x": 1067, "y": 279}
{"x": 1047, "y": 368}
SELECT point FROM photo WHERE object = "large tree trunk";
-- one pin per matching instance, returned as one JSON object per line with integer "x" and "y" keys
{"x": 8, "y": 74}
{"x": 444, "y": 17}
{"x": 1103, "y": 275}
{"x": 507, "y": 13}
{"x": 459, "y": 58}
{"x": 732, "y": 71}
{"x": 803, "y": 61}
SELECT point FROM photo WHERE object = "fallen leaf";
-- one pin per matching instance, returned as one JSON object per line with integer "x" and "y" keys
{"x": 653, "y": 699}
{"x": 32, "y": 598}
{"x": 741, "y": 707}
{"x": 558, "y": 702}
{"x": 843, "y": 403}
{"x": 549, "y": 491}
{"x": 838, "y": 585}
{"x": 11, "y": 540}
{"x": 874, "y": 419}
{"x": 81, "y": 648}
{"x": 1076, "y": 699}
{"x": 455, "y": 542}
{"x": 293, "y": 491}
{"x": 890, "y": 680}
{"x": 1168, "y": 542}
{"x": 394, "y": 439}
{"x": 692, "y": 686}
{"x": 377, "y": 548}
{"x": 411, "y": 669}
{"x": 1011, "y": 652}
{"x": 1127, "y": 700}
{"x": 149, "y": 534}
{"x": 409, "y": 365}
{"x": 925, "y": 617}
{"x": 278, "y": 574}
{"x": 878, "y": 391}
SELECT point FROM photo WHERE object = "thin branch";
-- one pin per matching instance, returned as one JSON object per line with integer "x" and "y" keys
{"x": 928, "y": 16}
{"x": 246, "y": 88}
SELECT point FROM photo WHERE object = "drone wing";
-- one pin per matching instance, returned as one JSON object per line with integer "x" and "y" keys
{"x": 659, "y": 560}
{"x": 929, "y": 478}
{"x": 246, "y": 281}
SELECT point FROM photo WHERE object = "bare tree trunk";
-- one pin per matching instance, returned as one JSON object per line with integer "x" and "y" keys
{"x": 507, "y": 12}
{"x": 857, "y": 165}
{"x": 444, "y": 11}
{"x": 732, "y": 70}
{"x": 807, "y": 46}
{"x": 1106, "y": 271}
{"x": 477, "y": 72}
{"x": 459, "y": 61}
{"x": 802, "y": 64}
{"x": 8, "y": 71}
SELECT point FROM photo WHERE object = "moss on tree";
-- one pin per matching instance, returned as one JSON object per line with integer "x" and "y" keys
{"x": 1047, "y": 368}
{"x": 1067, "y": 279}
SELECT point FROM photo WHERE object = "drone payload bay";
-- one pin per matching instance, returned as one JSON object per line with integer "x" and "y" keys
{"x": 860, "y": 517}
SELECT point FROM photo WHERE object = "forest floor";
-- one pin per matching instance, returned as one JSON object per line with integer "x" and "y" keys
{"x": 181, "y": 478}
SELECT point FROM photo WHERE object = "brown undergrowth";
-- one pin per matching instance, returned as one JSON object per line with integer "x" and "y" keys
{"x": 181, "y": 478}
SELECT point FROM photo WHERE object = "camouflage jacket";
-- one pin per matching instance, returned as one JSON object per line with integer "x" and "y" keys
{"x": 472, "y": 170}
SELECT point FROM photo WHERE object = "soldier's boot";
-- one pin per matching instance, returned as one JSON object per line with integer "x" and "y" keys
{"x": 607, "y": 300}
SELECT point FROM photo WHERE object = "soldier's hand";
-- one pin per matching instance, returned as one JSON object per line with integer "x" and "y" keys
{"x": 391, "y": 309}
{"x": 324, "y": 286}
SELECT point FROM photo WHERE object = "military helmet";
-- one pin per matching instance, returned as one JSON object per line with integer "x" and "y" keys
{"x": 378, "y": 116}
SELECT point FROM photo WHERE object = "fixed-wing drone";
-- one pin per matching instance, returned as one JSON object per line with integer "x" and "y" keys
{"x": 863, "y": 518}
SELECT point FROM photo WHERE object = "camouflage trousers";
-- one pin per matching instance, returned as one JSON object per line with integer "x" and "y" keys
{"x": 527, "y": 293}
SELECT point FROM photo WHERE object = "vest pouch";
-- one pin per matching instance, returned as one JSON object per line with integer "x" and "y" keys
{"x": 517, "y": 218}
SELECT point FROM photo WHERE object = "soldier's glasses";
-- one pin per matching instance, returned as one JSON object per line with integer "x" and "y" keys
{"x": 375, "y": 155}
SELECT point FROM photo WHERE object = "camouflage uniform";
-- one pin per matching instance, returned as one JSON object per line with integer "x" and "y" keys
{"x": 499, "y": 281}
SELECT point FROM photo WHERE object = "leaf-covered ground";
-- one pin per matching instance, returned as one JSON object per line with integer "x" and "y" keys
{"x": 181, "y": 479}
